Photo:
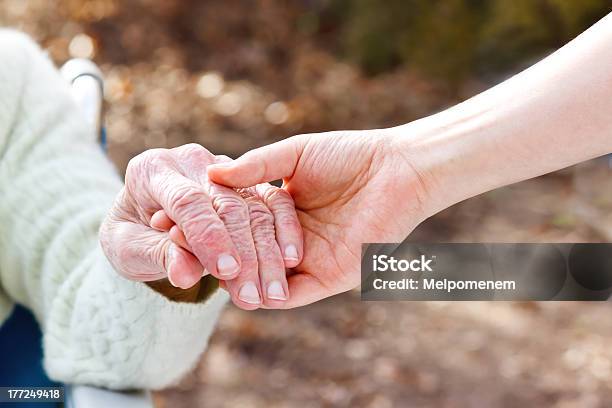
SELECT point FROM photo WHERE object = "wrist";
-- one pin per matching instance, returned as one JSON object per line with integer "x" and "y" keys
{"x": 453, "y": 155}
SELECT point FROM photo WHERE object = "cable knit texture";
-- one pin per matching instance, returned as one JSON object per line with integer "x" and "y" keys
{"x": 55, "y": 189}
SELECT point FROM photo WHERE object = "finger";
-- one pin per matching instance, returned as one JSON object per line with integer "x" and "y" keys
{"x": 305, "y": 289}
{"x": 234, "y": 212}
{"x": 272, "y": 273}
{"x": 144, "y": 254}
{"x": 286, "y": 224}
{"x": 265, "y": 164}
{"x": 161, "y": 222}
{"x": 189, "y": 206}
{"x": 177, "y": 236}
{"x": 193, "y": 159}
{"x": 184, "y": 270}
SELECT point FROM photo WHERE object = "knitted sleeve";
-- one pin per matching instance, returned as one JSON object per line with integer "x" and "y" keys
{"x": 55, "y": 189}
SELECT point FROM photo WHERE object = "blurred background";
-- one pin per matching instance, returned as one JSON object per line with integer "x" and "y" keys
{"x": 233, "y": 75}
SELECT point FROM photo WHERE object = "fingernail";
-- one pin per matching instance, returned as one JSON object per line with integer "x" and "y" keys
{"x": 276, "y": 291}
{"x": 170, "y": 256}
{"x": 227, "y": 265}
{"x": 249, "y": 294}
{"x": 291, "y": 253}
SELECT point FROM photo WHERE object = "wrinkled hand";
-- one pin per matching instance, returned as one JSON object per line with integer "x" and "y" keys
{"x": 171, "y": 221}
{"x": 349, "y": 188}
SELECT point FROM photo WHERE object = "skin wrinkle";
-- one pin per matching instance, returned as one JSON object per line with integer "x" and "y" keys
{"x": 227, "y": 204}
{"x": 203, "y": 216}
{"x": 361, "y": 179}
{"x": 324, "y": 284}
{"x": 284, "y": 207}
{"x": 201, "y": 230}
{"x": 231, "y": 208}
{"x": 346, "y": 194}
{"x": 247, "y": 251}
{"x": 192, "y": 158}
{"x": 139, "y": 172}
{"x": 260, "y": 215}
{"x": 142, "y": 250}
{"x": 122, "y": 206}
{"x": 302, "y": 144}
{"x": 183, "y": 199}
{"x": 286, "y": 222}
{"x": 277, "y": 195}
{"x": 394, "y": 148}
{"x": 264, "y": 235}
{"x": 234, "y": 211}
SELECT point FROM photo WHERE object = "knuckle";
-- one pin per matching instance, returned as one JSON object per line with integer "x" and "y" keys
{"x": 182, "y": 199}
{"x": 279, "y": 200}
{"x": 203, "y": 230}
{"x": 229, "y": 205}
{"x": 262, "y": 225}
{"x": 194, "y": 151}
{"x": 260, "y": 216}
{"x": 284, "y": 209}
{"x": 247, "y": 193}
{"x": 194, "y": 148}
{"x": 144, "y": 163}
{"x": 232, "y": 210}
{"x": 278, "y": 195}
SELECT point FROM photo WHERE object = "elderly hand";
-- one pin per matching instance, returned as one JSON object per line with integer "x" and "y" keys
{"x": 349, "y": 188}
{"x": 171, "y": 221}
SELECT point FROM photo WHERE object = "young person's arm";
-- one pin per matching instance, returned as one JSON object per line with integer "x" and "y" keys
{"x": 377, "y": 185}
{"x": 553, "y": 115}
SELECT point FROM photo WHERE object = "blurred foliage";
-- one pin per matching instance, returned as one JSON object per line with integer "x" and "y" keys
{"x": 456, "y": 39}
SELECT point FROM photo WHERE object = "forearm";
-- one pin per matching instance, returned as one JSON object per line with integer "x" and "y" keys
{"x": 554, "y": 114}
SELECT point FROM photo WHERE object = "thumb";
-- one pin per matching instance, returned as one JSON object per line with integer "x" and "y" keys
{"x": 262, "y": 165}
{"x": 140, "y": 253}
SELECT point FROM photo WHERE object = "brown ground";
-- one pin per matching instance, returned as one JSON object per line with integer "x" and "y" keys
{"x": 339, "y": 352}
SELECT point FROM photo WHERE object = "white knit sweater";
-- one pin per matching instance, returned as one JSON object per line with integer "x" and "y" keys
{"x": 55, "y": 188}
